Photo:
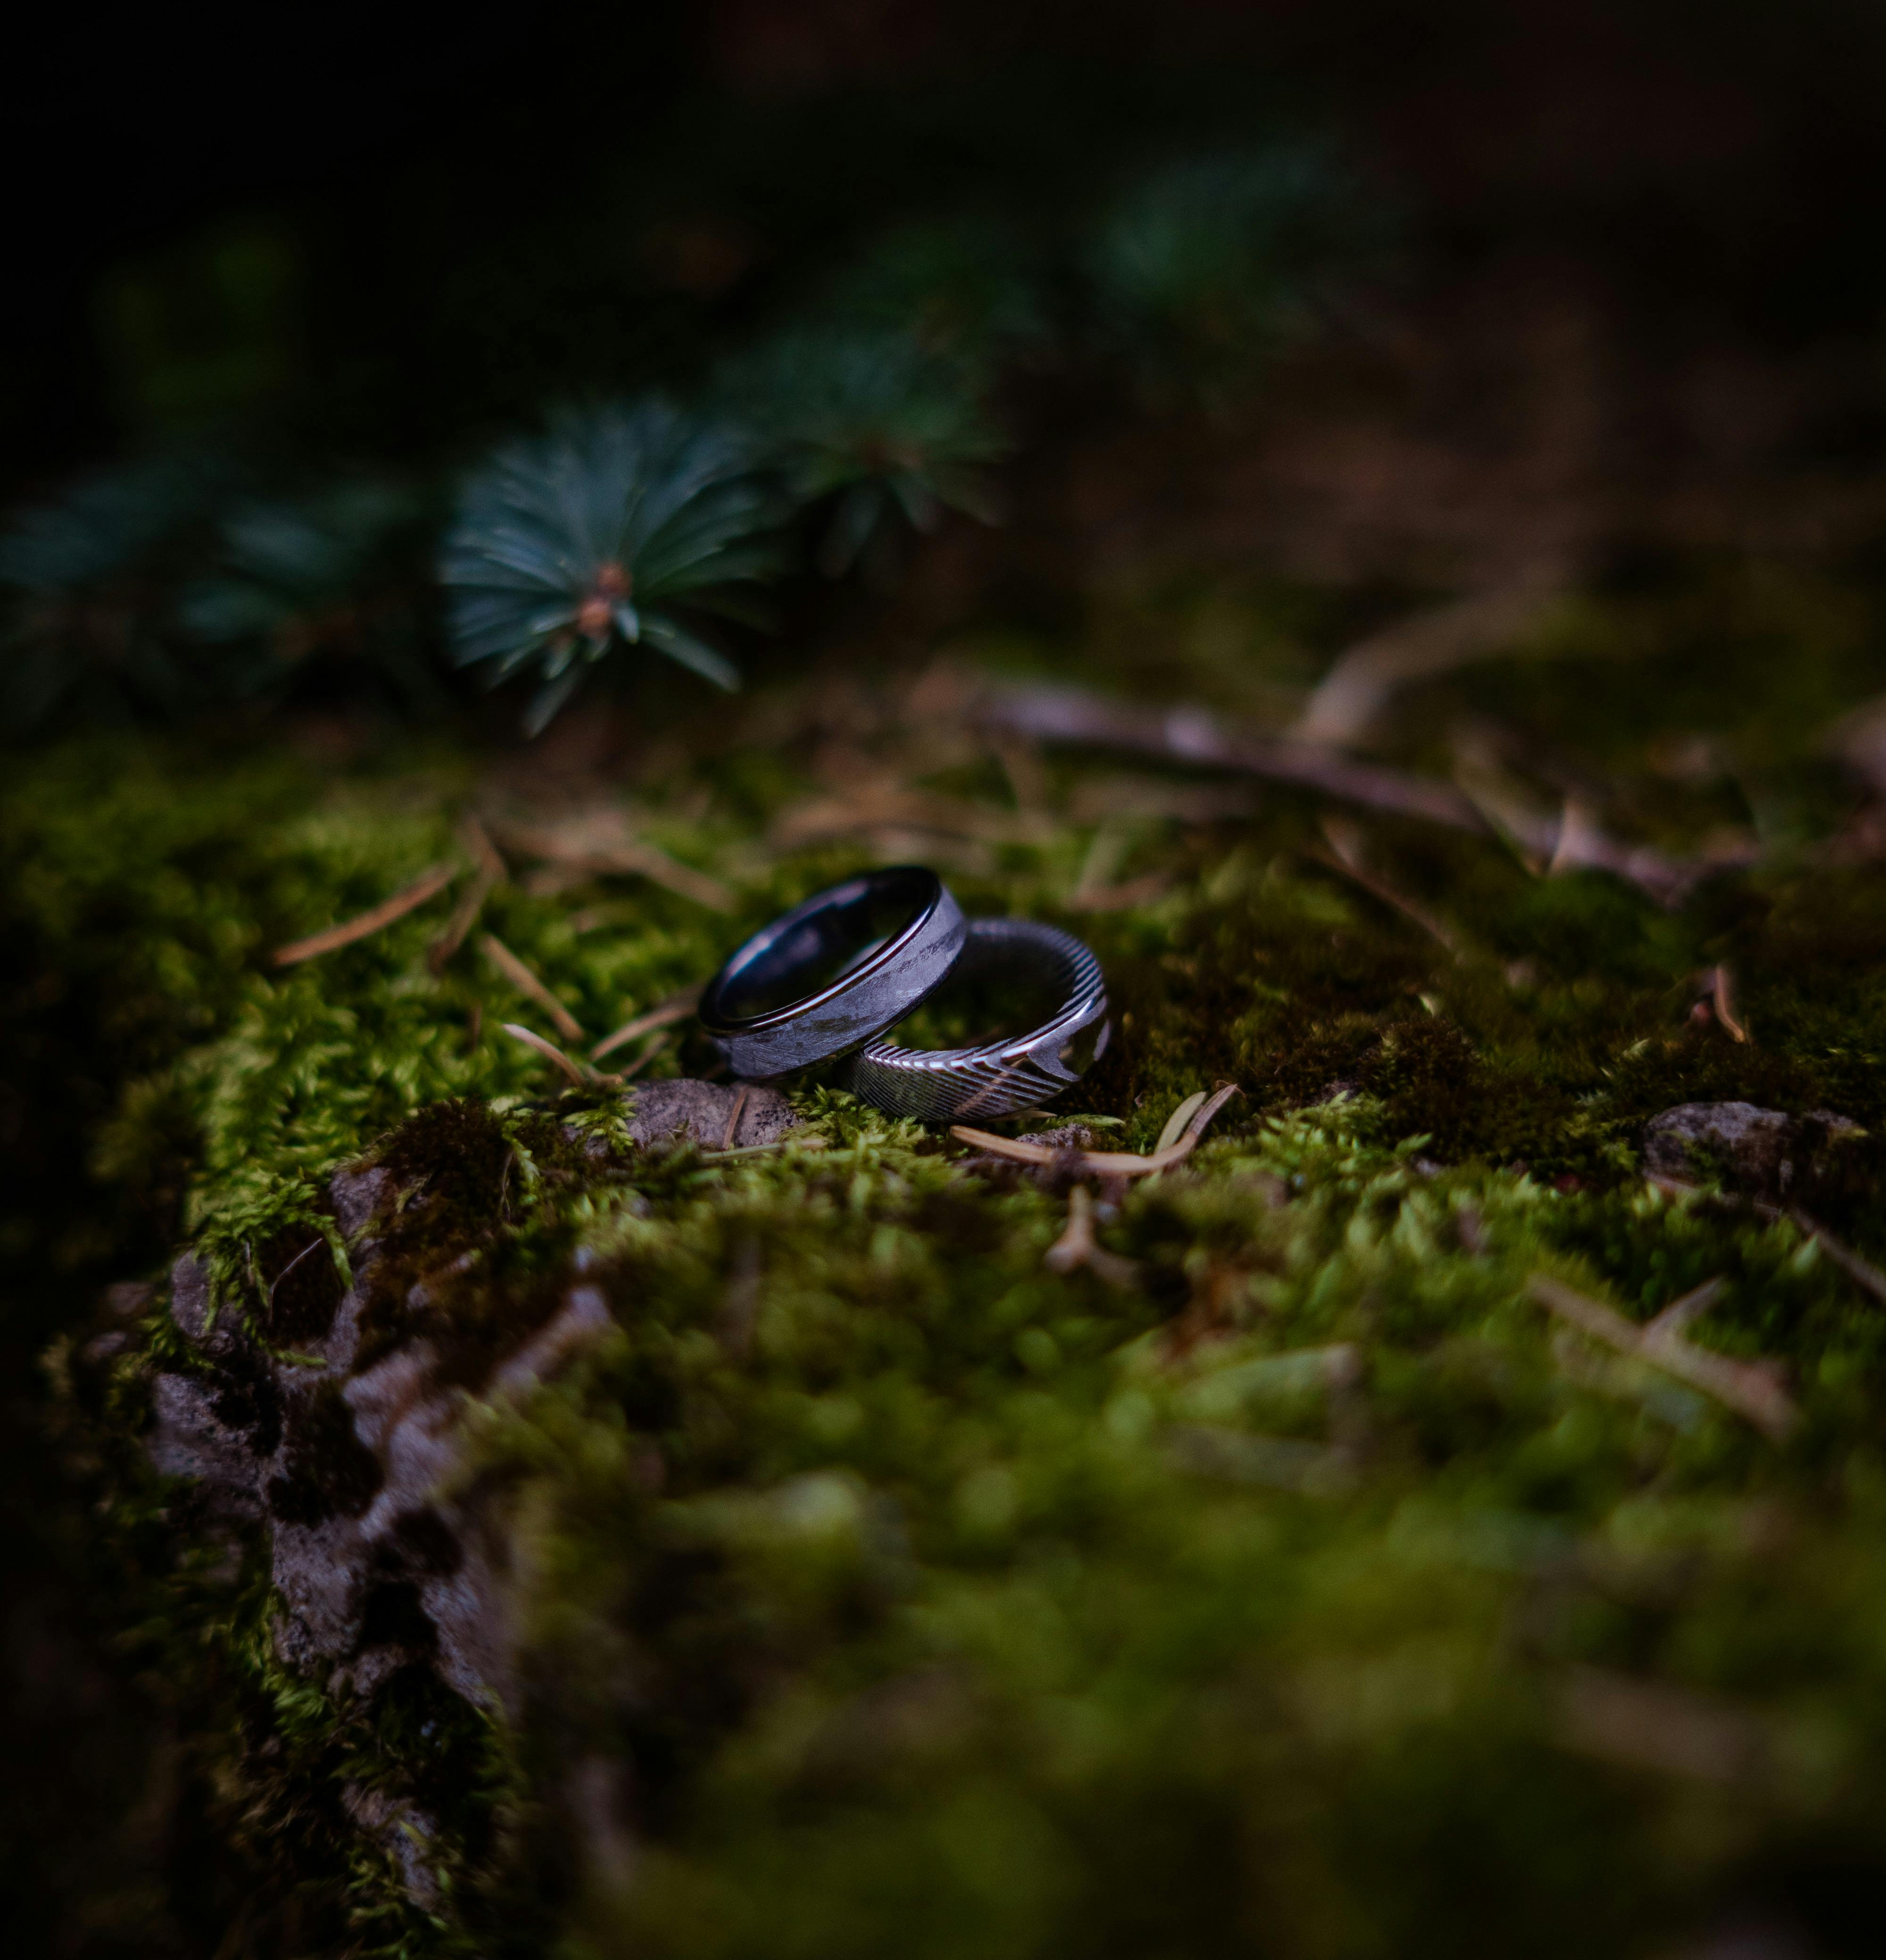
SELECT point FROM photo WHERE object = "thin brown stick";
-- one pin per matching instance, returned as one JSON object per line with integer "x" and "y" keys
{"x": 429, "y": 884}
{"x": 526, "y": 982}
{"x": 550, "y": 1052}
{"x": 677, "y": 1009}
{"x": 1192, "y": 735}
{"x": 1105, "y": 1163}
{"x": 1748, "y": 1387}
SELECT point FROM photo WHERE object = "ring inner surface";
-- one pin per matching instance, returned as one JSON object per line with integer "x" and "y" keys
{"x": 855, "y": 925}
{"x": 998, "y": 990}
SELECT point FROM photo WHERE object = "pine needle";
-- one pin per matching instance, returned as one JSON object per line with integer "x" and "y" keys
{"x": 429, "y": 884}
{"x": 526, "y": 982}
{"x": 550, "y": 1052}
{"x": 677, "y": 1009}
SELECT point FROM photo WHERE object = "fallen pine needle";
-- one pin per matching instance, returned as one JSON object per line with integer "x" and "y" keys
{"x": 677, "y": 1009}
{"x": 641, "y": 1061}
{"x": 492, "y": 872}
{"x": 734, "y": 1119}
{"x": 1747, "y": 1387}
{"x": 550, "y": 1052}
{"x": 1107, "y": 1164}
{"x": 1345, "y": 855}
{"x": 428, "y": 884}
{"x": 526, "y": 982}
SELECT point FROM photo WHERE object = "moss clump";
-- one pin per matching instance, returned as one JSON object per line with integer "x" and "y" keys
{"x": 1284, "y": 1580}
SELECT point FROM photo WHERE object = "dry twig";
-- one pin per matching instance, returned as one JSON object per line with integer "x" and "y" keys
{"x": 1192, "y": 735}
{"x": 1750, "y": 1388}
{"x": 428, "y": 885}
{"x": 526, "y": 982}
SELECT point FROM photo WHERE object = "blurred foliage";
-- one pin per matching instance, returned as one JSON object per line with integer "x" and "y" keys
{"x": 865, "y": 424}
{"x": 170, "y": 586}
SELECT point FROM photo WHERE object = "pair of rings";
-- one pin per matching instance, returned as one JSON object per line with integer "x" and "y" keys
{"x": 836, "y": 974}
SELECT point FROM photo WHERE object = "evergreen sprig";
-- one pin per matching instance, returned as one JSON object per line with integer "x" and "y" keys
{"x": 1206, "y": 266}
{"x": 570, "y": 544}
{"x": 87, "y": 575}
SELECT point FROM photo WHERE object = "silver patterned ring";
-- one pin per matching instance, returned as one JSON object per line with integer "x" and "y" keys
{"x": 946, "y": 1085}
{"x": 852, "y": 961}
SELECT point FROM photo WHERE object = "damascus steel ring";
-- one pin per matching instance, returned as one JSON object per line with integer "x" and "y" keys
{"x": 851, "y": 962}
{"x": 945, "y": 1085}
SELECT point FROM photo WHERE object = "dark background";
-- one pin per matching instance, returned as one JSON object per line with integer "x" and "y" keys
{"x": 1717, "y": 164}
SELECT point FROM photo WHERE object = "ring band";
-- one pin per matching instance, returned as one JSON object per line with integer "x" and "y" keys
{"x": 851, "y": 962}
{"x": 940, "y": 1085}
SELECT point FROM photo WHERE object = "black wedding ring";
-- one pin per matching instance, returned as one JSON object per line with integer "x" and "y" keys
{"x": 850, "y": 963}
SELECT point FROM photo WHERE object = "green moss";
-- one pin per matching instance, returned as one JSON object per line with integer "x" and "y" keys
{"x": 881, "y": 1587}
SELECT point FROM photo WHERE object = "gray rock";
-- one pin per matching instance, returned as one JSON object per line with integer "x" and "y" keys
{"x": 701, "y": 1111}
{"x": 1765, "y": 1152}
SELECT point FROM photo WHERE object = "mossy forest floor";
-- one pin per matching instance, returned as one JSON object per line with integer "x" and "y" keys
{"x": 1288, "y": 1578}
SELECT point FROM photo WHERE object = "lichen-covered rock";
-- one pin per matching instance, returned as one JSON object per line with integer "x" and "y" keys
{"x": 348, "y": 1446}
{"x": 1763, "y": 1152}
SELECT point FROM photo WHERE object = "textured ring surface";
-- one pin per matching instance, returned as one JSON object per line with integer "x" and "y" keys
{"x": 941, "y": 1085}
{"x": 851, "y": 962}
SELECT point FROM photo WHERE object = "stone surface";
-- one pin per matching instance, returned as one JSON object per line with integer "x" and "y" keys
{"x": 1764, "y": 1152}
{"x": 704, "y": 1113}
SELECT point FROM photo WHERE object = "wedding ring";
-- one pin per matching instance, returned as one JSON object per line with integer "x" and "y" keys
{"x": 945, "y": 1085}
{"x": 851, "y": 962}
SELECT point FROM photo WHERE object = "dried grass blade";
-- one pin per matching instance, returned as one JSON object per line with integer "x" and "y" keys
{"x": 678, "y": 1009}
{"x": 1175, "y": 1123}
{"x": 428, "y": 884}
{"x": 549, "y": 1051}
